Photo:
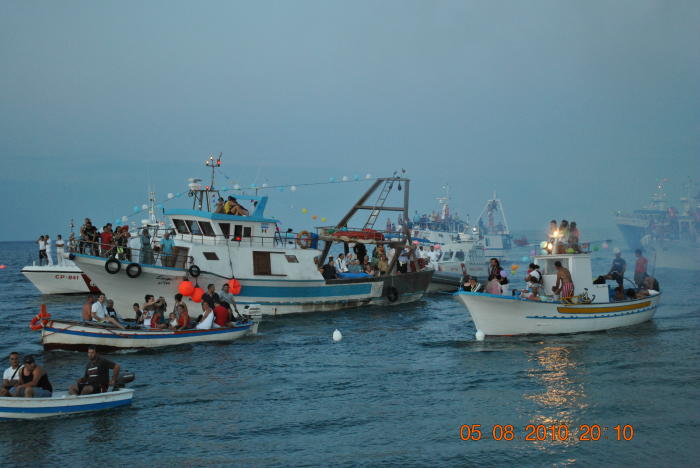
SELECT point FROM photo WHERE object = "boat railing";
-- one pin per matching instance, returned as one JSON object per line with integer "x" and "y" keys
{"x": 151, "y": 255}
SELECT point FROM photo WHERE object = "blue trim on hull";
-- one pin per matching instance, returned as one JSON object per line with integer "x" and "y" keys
{"x": 213, "y": 331}
{"x": 66, "y": 409}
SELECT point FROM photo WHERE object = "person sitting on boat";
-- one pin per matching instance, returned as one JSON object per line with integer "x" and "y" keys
{"x": 534, "y": 278}
{"x": 562, "y": 242}
{"x": 96, "y": 377}
{"x": 10, "y": 378}
{"x": 340, "y": 266}
{"x": 211, "y": 297}
{"x": 640, "y": 268}
{"x": 87, "y": 308}
{"x": 207, "y": 318}
{"x": 222, "y": 315}
{"x": 354, "y": 265}
{"x": 617, "y": 269}
{"x": 367, "y": 267}
{"x": 564, "y": 285}
{"x": 403, "y": 261}
{"x": 383, "y": 265}
{"x": 494, "y": 286}
{"x": 360, "y": 251}
{"x": 112, "y": 315}
{"x": 433, "y": 258}
{"x": 33, "y": 381}
{"x": 232, "y": 207}
{"x": 182, "y": 316}
{"x": 229, "y": 301}
{"x": 328, "y": 270}
{"x": 149, "y": 310}
{"x": 473, "y": 285}
{"x": 220, "y": 206}
{"x": 137, "y": 311}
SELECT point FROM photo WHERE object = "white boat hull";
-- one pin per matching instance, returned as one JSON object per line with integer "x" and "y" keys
{"x": 61, "y": 403}
{"x": 507, "y": 315}
{"x": 77, "y": 336}
{"x": 55, "y": 279}
{"x": 675, "y": 254}
{"x": 271, "y": 296}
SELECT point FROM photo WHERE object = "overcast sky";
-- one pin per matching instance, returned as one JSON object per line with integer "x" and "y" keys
{"x": 566, "y": 108}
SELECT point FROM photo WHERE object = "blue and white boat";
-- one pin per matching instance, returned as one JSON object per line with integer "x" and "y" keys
{"x": 61, "y": 404}
{"x": 280, "y": 276}
{"x": 591, "y": 308}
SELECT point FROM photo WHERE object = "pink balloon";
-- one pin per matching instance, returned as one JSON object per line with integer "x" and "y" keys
{"x": 503, "y": 273}
{"x": 437, "y": 247}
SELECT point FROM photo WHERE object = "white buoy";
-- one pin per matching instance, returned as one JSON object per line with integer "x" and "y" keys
{"x": 480, "y": 335}
{"x": 337, "y": 336}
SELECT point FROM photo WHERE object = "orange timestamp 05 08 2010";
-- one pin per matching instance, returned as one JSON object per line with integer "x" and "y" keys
{"x": 542, "y": 432}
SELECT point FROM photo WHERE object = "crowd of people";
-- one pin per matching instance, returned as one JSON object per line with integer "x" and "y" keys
{"x": 30, "y": 380}
{"x": 563, "y": 238}
{"x": 218, "y": 309}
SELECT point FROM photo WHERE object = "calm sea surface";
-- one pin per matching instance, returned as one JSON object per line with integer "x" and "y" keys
{"x": 394, "y": 392}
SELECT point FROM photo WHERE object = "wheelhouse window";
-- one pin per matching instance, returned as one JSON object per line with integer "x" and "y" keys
{"x": 459, "y": 255}
{"x": 446, "y": 256}
{"x": 292, "y": 258}
{"x": 181, "y": 226}
{"x": 247, "y": 231}
{"x": 210, "y": 255}
{"x": 225, "y": 229}
{"x": 237, "y": 232}
{"x": 207, "y": 228}
{"x": 193, "y": 227}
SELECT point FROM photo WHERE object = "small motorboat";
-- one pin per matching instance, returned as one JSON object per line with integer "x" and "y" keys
{"x": 590, "y": 309}
{"x": 63, "y": 403}
{"x": 77, "y": 335}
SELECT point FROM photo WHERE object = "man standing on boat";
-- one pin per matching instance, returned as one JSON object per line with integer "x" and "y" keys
{"x": 166, "y": 250}
{"x": 49, "y": 250}
{"x": 618, "y": 268}
{"x": 42, "y": 249}
{"x": 565, "y": 285}
{"x": 96, "y": 377}
{"x": 640, "y": 268}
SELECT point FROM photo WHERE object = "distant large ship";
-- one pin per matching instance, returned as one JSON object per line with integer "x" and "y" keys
{"x": 670, "y": 236}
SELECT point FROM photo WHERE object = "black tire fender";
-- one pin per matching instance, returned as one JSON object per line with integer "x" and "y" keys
{"x": 194, "y": 271}
{"x": 392, "y": 294}
{"x": 133, "y": 270}
{"x": 113, "y": 266}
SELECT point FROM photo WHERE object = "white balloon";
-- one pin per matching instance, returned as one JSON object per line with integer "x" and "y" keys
{"x": 171, "y": 195}
{"x": 264, "y": 185}
{"x": 124, "y": 219}
{"x": 345, "y": 178}
{"x": 337, "y": 336}
{"x": 368, "y": 176}
{"x": 480, "y": 335}
{"x": 293, "y": 188}
{"x": 144, "y": 207}
{"x": 236, "y": 187}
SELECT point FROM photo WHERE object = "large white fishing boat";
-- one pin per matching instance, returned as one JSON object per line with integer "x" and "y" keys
{"x": 493, "y": 228}
{"x": 591, "y": 308}
{"x": 450, "y": 245}
{"x": 211, "y": 248}
{"x": 64, "y": 278}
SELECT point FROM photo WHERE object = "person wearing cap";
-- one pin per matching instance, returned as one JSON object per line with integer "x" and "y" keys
{"x": 617, "y": 270}
{"x": 33, "y": 381}
{"x": 96, "y": 376}
{"x": 10, "y": 377}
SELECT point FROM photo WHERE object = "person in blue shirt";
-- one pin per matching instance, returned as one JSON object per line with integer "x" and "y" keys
{"x": 166, "y": 250}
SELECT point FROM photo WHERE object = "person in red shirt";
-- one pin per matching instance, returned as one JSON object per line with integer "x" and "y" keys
{"x": 222, "y": 316}
{"x": 640, "y": 268}
{"x": 106, "y": 239}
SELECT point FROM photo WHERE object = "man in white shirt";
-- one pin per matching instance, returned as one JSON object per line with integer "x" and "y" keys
{"x": 99, "y": 309}
{"x": 433, "y": 257}
{"x": 340, "y": 265}
{"x": 49, "y": 250}
{"x": 60, "y": 250}
{"x": 10, "y": 377}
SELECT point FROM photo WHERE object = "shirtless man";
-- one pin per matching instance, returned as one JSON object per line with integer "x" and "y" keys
{"x": 565, "y": 285}
{"x": 87, "y": 308}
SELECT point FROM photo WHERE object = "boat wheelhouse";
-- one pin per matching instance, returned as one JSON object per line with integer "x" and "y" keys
{"x": 279, "y": 273}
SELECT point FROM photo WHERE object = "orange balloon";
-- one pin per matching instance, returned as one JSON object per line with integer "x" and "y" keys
{"x": 186, "y": 288}
{"x": 197, "y": 294}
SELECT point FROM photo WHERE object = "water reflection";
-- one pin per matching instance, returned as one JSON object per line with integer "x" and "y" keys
{"x": 563, "y": 396}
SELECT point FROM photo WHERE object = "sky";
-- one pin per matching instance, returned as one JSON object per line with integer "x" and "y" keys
{"x": 566, "y": 109}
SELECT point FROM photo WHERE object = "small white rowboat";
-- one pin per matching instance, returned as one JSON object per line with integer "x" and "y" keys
{"x": 77, "y": 336}
{"x": 61, "y": 403}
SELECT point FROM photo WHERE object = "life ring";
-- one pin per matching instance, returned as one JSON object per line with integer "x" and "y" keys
{"x": 133, "y": 270}
{"x": 304, "y": 239}
{"x": 113, "y": 266}
{"x": 194, "y": 271}
{"x": 392, "y": 294}
{"x": 40, "y": 320}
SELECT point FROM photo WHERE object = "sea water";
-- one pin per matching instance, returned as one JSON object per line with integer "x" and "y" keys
{"x": 403, "y": 388}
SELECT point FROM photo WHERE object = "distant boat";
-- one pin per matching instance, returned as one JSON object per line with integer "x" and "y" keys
{"x": 522, "y": 242}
